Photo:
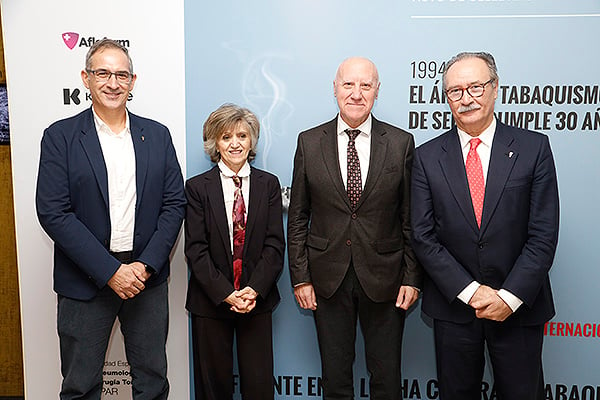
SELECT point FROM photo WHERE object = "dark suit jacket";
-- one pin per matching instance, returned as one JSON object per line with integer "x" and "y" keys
{"x": 208, "y": 246}
{"x": 72, "y": 202}
{"x": 515, "y": 246}
{"x": 324, "y": 233}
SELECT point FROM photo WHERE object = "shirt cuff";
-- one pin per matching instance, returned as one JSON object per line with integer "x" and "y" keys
{"x": 510, "y": 299}
{"x": 467, "y": 293}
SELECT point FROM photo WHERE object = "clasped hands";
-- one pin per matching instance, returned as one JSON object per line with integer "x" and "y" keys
{"x": 242, "y": 301}
{"x": 488, "y": 305}
{"x": 129, "y": 280}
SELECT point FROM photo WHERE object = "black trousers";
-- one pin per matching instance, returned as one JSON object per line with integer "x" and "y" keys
{"x": 515, "y": 353}
{"x": 212, "y": 341}
{"x": 382, "y": 325}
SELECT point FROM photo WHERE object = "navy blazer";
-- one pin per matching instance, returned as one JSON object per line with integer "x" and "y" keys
{"x": 208, "y": 245}
{"x": 513, "y": 250}
{"x": 72, "y": 202}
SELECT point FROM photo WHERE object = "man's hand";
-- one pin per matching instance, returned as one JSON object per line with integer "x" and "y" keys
{"x": 407, "y": 295}
{"x": 305, "y": 296}
{"x": 488, "y": 305}
{"x": 482, "y": 297}
{"x": 496, "y": 310}
{"x": 129, "y": 280}
{"x": 140, "y": 271}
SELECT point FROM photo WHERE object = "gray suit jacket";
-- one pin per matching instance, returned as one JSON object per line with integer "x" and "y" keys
{"x": 325, "y": 233}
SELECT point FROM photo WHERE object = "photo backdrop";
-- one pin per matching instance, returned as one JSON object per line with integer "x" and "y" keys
{"x": 279, "y": 58}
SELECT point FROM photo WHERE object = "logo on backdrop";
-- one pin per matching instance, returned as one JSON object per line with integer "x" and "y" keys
{"x": 72, "y": 40}
{"x": 71, "y": 96}
{"x": 74, "y": 96}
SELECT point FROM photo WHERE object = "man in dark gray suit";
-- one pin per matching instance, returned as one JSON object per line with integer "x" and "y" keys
{"x": 349, "y": 235}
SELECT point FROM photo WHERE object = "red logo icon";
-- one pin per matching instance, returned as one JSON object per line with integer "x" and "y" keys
{"x": 70, "y": 39}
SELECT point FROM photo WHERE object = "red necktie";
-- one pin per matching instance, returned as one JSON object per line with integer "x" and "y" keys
{"x": 239, "y": 231}
{"x": 475, "y": 178}
{"x": 354, "y": 183}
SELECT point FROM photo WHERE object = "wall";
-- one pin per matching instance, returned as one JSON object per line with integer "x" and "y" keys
{"x": 11, "y": 359}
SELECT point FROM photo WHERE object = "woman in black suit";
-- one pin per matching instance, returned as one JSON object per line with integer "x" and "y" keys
{"x": 234, "y": 245}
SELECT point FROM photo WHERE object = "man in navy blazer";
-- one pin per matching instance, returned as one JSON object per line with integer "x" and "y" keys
{"x": 110, "y": 196}
{"x": 487, "y": 272}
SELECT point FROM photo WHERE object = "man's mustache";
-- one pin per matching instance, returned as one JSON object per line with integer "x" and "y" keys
{"x": 470, "y": 107}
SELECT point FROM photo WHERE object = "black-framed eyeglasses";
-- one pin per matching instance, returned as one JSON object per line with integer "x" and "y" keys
{"x": 103, "y": 75}
{"x": 476, "y": 90}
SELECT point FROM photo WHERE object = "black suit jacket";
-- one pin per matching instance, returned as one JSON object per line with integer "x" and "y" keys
{"x": 325, "y": 233}
{"x": 208, "y": 246}
{"x": 72, "y": 202}
{"x": 515, "y": 246}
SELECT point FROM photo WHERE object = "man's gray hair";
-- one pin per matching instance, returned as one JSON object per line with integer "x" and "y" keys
{"x": 487, "y": 57}
{"x": 106, "y": 44}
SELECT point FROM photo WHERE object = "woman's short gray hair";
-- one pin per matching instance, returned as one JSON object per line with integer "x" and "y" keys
{"x": 226, "y": 118}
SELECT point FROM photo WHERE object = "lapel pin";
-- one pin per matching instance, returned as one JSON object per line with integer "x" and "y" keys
{"x": 143, "y": 140}
{"x": 510, "y": 153}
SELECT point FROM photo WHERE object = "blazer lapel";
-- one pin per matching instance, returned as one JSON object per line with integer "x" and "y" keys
{"x": 91, "y": 146}
{"x": 217, "y": 205}
{"x": 502, "y": 160}
{"x": 329, "y": 148}
{"x": 376, "y": 159}
{"x": 453, "y": 168}
{"x": 141, "y": 149}
{"x": 257, "y": 196}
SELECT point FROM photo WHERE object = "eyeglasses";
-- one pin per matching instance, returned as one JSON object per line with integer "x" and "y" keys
{"x": 476, "y": 90}
{"x": 103, "y": 75}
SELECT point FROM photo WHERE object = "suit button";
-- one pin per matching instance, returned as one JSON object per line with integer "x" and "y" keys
{"x": 348, "y": 242}
{"x": 353, "y": 216}
{"x": 480, "y": 245}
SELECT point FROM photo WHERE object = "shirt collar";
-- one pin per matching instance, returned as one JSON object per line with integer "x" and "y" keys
{"x": 101, "y": 125}
{"x": 365, "y": 127}
{"x": 486, "y": 137}
{"x": 228, "y": 173}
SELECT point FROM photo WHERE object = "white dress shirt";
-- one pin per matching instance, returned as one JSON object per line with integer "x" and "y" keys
{"x": 229, "y": 190}
{"x": 484, "y": 150}
{"x": 119, "y": 158}
{"x": 362, "y": 144}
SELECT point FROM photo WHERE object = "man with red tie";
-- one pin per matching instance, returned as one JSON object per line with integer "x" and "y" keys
{"x": 485, "y": 227}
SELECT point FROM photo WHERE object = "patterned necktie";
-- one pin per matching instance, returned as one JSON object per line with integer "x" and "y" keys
{"x": 354, "y": 183}
{"x": 475, "y": 178}
{"x": 239, "y": 231}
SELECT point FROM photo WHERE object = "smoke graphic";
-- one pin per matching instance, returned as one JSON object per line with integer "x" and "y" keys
{"x": 265, "y": 94}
